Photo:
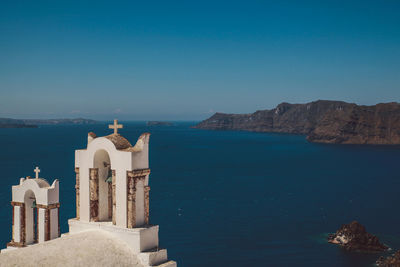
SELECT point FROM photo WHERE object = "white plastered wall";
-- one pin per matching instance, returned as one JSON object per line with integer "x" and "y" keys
{"x": 140, "y": 159}
{"x": 53, "y": 223}
{"x": 17, "y": 224}
{"x": 41, "y": 219}
{"x": 43, "y": 196}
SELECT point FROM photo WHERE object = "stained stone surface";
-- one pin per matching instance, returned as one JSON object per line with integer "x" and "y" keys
{"x": 119, "y": 141}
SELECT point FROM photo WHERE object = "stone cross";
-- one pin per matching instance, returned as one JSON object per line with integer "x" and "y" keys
{"x": 115, "y": 126}
{"x": 37, "y": 170}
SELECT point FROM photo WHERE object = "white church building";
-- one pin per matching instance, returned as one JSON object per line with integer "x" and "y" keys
{"x": 112, "y": 196}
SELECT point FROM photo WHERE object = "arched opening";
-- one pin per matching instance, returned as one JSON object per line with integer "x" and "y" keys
{"x": 31, "y": 218}
{"x": 102, "y": 163}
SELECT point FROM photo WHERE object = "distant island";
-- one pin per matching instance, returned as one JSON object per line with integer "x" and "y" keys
{"x": 159, "y": 123}
{"x": 33, "y": 123}
{"x": 322, "y": 121}
{"x": 13, "y": 123}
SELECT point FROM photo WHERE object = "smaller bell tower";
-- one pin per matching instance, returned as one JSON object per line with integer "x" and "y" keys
{"x": 35, "y": 208}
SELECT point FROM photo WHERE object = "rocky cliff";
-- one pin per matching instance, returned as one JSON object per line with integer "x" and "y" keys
{"x": 322, "y": 121}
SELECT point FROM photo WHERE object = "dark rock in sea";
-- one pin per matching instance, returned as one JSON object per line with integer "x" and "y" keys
{"x": 391, "y": 261}
{"x": 354, "y": 237}
{"x": 322, "y": 121}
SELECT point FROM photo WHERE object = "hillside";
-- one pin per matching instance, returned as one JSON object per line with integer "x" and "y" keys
{"x": 322, "y": 121}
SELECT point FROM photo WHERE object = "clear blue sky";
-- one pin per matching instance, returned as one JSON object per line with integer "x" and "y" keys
{"x": 187, "y": 59}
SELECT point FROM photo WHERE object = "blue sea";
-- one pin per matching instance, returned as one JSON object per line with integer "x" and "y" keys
{"x": 226, "y": 198}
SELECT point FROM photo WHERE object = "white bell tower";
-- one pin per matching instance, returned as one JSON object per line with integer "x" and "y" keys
{"x": 112, "y": 192}
{"x": 36, "y": 209}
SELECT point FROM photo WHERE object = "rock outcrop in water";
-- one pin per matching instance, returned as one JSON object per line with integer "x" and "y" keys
{"x": 391, "y": 261}
{"x": 322, "y": 121}
{"x": 354, "y": 237}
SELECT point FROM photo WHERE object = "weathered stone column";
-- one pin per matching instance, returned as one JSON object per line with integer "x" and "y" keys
{"x": 41, "y": 222}
{"x": 132, "y": 178}
{"x": 146, "y": 204}
{"x": 94, "y": 194}
{"x": 114, "y": 199}
{"x": 12, "y": 227}
{"x": 77, "y": 193}
{"x": 47, "y": 224}
{"x": 22, "y": 232}
{"x": 131, "y": 203}
{"x": 17, "y": 231}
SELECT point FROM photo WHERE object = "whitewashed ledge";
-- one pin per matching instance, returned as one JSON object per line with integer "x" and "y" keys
{"x": 91, "y": 248}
